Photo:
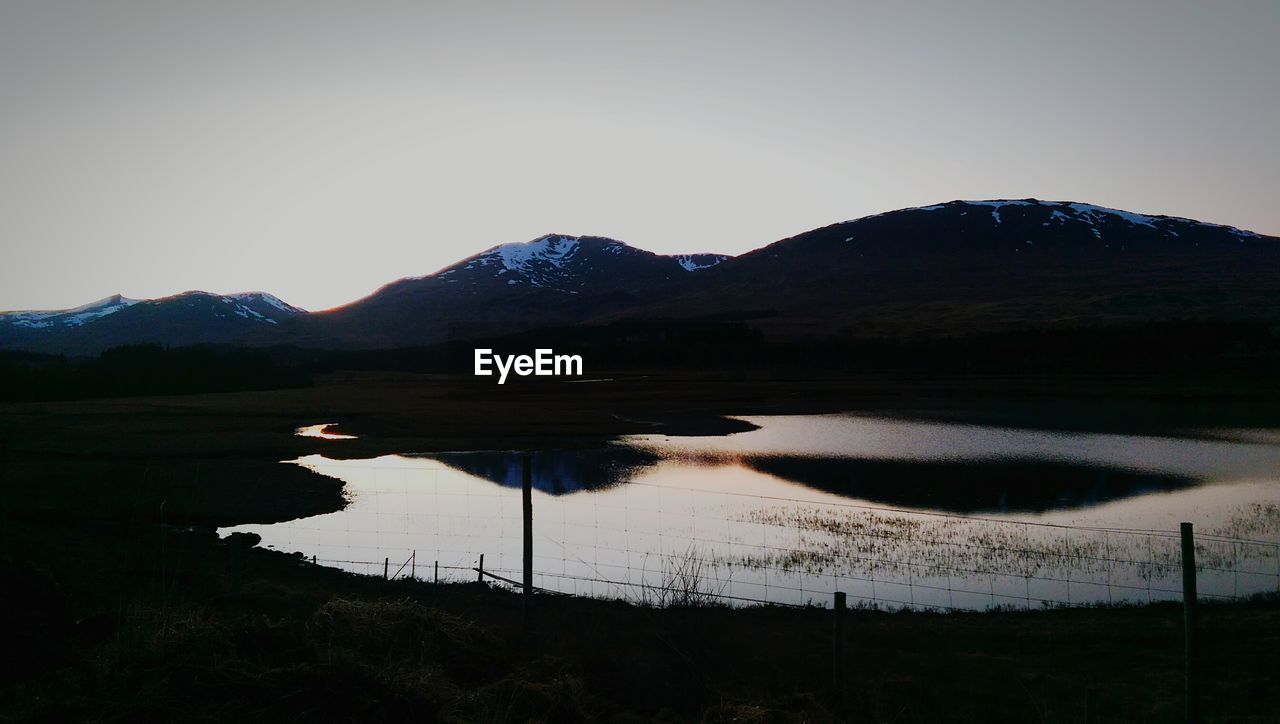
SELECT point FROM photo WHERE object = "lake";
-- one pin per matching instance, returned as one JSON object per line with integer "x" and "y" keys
{"x": 896, "y": 513}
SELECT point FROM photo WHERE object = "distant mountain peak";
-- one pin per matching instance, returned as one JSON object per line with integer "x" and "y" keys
{"x": 74, "y": 317}
{"x": 270, "y": 300}
{"x": 1067, "y": 212}
{"x": 553, "y": 249}
{"x": 552, "y": 260}
{"x": 187, "y": 315}
{"x": 115, "y": 300}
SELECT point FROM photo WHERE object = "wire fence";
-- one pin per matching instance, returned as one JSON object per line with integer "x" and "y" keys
{"x": 672, "y": 544}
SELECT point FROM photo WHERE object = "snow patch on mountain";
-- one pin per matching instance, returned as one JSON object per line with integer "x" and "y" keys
{"x": 694, "y": 262}
{"x": 551, "y": 249}
{"x": 539, "y": 261}
{"x": 242, "y": 311}
{"x": 236, "y": 304}
{"x": 998, "y": 204}
{"x": 270, "y": 300}
{"x": 1092, "y": 213}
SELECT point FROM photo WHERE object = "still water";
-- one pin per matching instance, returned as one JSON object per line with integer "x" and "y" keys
{"x": 895, "y": 513}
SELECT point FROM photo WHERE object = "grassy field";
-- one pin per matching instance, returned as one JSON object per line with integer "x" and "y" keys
{"x": 118, "y": 605}
{"x": 132, "y": 624}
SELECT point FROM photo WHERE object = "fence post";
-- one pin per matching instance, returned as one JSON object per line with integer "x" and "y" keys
{"x": 1189, "y": 620}
{"x": 480, "y": 570}
{"x": 437, "y": 579}
{"x": 837, "y": 649}
{"x": 237, "y": 562}
{"x": 413, "y": 570}
{"x": 527, "y": 485}
{"x": 386, "y": 567}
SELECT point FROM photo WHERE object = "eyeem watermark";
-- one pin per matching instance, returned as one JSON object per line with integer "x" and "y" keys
{"x": 543, "y": 363}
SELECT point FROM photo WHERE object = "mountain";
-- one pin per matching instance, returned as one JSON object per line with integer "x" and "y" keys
{"x": 183, "y": 319}
{"x": 64, "y": 318}
{"x": 946, "y": 270}
{"x": 553, "y": 280}
{"x": 269, "y": 307}
{"x": 955, "y": 268}
{"x": 572, "y": 264}
{"x": 975, "y": 266}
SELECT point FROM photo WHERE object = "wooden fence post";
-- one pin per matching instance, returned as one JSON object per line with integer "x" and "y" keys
{"x": 837, "y": 649}
{"x": 527, "y": 485}
{"x": 437, "y": 580}
{"x": 1189, "y": 605}
{"x": 386, "y": 567}
{"x": 480, "y": 570}
{"x": 413, "y": 570}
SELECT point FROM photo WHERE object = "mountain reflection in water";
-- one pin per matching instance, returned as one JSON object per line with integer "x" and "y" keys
{"x": 556, "y": 472}
{"x": 960, "y": 487}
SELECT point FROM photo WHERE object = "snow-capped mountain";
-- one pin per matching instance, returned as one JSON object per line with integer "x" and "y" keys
{"x": 946, "y": 269}
{"x": 964, "y": 266}
{"x": 188, "y": 318}
{"x": 554, "y": 279}
{"x": 568, "y": 263}
{"x": 268, "y": 307}
{"x": 67, "y": 317}
{"x": 1094, "y": 219}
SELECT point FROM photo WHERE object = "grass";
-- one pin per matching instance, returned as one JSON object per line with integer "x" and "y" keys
{"x": 137, "y": 623}
{"x": 869, "y": 543}
{"x": 165, "y": 640}
{"x": 686, "y": 582}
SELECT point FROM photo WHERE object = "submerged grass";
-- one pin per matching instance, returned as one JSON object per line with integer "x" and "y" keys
{"x": 914, "y": 549}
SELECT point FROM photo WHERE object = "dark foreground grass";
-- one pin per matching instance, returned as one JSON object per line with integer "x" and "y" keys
{"x": 138, "y": 623}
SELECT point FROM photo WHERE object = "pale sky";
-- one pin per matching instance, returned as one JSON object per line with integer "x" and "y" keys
{"x": 318, "y": 150}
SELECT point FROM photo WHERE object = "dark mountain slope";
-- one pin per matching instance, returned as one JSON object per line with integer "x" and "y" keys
{"x": 966, "y": 267}
{"x": 550, "y": 281}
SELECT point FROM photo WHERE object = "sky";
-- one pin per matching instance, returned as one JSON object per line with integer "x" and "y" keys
{"x": 318, "y": 150}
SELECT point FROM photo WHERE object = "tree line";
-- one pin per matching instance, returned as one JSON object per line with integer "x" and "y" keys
{"x": 144, "y": 370}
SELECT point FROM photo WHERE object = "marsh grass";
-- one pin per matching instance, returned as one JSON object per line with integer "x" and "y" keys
{"x": 922, "y": 549}
{"x": 1254, "y": 521}
{"x": 688, "y": 580}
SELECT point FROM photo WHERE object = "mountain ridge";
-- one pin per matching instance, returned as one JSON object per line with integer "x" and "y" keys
{"x": 952, "y": 266}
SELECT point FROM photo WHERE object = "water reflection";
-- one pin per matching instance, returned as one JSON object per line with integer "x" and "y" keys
{"x": 321, "y": 431}
{"x": 556, "y": 472}
{"x": 872, "y": 438}
{"x": 933, "y": 466}
{"x": 960, "y": 487}
{"x": 1002, "y": 486}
